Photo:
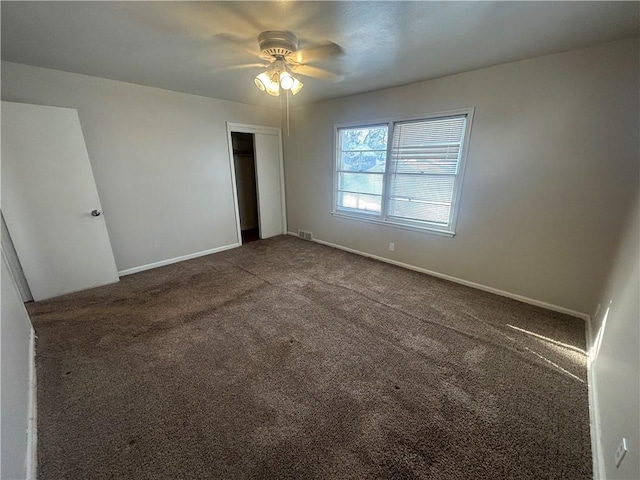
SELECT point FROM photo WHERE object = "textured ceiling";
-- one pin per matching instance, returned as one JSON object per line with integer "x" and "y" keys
{"x": 189, "y": 46}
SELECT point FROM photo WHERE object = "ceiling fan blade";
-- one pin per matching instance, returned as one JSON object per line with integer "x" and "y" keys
{"x": 200, "y": 20}
{"x": 246, "y": 12}
{"x": 230, "y": 68}
{"x": 315, "y": 72}
{"x": 315, "y": 53}
{"x": 246, "y": 45}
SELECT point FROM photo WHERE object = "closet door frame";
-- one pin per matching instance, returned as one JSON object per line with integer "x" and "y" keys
{"x": 256, "y": 130}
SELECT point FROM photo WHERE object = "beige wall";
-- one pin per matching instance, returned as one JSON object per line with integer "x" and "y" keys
{"x": 160, "y": 159}
{"x": 553, "y": 159}
{"x": 616, "y": 352}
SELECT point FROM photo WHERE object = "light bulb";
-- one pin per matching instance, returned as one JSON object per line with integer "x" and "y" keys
{"x": 286, "y": 80}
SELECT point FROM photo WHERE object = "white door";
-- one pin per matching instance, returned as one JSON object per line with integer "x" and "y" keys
{"x": 48, "y": 196}
{"x": 272, "y": 216}
{"x": 267, "y": 153}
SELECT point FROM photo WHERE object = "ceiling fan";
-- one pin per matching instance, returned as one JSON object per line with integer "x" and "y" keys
{"x": 280, "y": 50}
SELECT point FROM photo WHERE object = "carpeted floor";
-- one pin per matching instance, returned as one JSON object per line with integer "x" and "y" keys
{"x": 285, "y": 359}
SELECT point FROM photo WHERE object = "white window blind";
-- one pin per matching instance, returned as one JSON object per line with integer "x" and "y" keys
{"x": 425, "y": 158}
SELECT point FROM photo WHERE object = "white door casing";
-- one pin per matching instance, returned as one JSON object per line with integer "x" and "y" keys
{"x": 269, "y": 178}
{"x": 48, "y": 194}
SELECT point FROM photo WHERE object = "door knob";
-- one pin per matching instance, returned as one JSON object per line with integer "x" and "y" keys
{"x": 96, "y": 213}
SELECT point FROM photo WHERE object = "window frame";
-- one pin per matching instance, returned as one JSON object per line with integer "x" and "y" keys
{"x": 382, "y": 218}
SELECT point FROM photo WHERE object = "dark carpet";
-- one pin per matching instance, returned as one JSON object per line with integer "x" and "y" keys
{"x": 285, "y": 359}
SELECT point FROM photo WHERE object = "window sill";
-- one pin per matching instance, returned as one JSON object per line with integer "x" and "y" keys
{"x": 434, "y": 231}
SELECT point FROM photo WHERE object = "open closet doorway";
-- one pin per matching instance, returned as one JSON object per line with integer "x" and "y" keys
{"x": 244, "y": 163}
{"x": 257, "y": 167}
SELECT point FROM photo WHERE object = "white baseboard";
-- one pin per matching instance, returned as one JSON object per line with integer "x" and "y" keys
{"x": 594, "y": 412}
{"x": 32, "y": 425}
{"x": 515, "y": 296}
{"x": 162, "y": 263}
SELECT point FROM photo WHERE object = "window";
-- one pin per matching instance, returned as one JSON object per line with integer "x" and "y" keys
{"x": 361, "y": 167}
{"x": 413, "y": 181}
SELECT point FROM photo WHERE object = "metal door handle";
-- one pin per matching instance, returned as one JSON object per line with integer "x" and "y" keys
{"x": 95, "y": 213}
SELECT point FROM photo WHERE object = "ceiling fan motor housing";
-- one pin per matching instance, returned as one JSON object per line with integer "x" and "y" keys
{"x": 277, "y": 43}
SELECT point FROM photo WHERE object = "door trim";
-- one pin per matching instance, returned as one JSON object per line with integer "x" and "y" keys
{"x": 247, "y": 128}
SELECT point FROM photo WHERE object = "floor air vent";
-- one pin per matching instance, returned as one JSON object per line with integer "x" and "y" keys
{"x": 305, "y": 235}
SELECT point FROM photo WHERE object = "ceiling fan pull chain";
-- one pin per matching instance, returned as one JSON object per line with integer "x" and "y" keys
{"x": 287, "y": 112}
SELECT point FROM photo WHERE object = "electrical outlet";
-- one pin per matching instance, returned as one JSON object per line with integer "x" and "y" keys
{"x": 621, "y": 451}
{"x": 392, "y": 247}
{"x": 305, "y": 235}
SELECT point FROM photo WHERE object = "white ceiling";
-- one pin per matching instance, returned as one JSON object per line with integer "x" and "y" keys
{"x": 185, "y": 46}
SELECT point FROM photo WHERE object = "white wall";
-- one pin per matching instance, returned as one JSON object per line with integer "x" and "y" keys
{"x": 16, "y": 360}
{"x": 553, "y": 159}
{"x": 616, "y": 356}
{"x": 160, "y": 159}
